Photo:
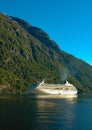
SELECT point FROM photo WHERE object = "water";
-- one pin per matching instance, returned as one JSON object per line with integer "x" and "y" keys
{"x": 33, "y": 112}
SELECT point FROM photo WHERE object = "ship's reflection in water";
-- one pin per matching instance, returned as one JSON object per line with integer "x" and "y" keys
{"x": 54, "y": 112}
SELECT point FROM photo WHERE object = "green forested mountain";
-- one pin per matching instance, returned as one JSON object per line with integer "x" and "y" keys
{"x": 28, "y": 55}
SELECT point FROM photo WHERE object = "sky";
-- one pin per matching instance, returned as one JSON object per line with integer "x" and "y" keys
{"x": 67, "y": 22}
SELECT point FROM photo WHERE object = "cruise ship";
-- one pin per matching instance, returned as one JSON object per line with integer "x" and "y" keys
{"x": 61, "y": 89}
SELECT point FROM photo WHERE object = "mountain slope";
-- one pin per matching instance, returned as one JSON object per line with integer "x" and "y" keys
{"x": 27, "y": 55}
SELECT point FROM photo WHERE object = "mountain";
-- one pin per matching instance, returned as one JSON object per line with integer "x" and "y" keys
{"x": 28, "y": 55}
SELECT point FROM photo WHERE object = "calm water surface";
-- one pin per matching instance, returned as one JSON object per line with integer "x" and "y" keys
{"x": 33, "y": 112}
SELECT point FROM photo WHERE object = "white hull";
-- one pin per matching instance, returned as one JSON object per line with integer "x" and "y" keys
{"x": 65, "y": 92}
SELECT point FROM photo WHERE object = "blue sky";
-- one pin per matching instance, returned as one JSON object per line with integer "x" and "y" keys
{"x": 68, "y": 22}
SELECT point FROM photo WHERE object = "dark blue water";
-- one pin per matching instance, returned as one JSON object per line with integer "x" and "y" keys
{"x": 32, "y": 112}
